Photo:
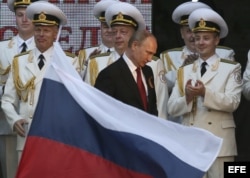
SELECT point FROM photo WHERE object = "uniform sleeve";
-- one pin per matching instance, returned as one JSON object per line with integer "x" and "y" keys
{"x": 171, "y": 78}
{"x": 227, "y": 100}
{"x": 170, "y": 69}
{"x": 161, "y": 88}
{"x": 177, "y": 105}
{"x": 10, "y": 101}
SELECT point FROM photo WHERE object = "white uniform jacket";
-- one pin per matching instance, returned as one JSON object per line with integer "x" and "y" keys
{"x": 8, "y": 49}
{"x": 23, "y": 87}
{"x": 174, "y": 58}
{"x": 214, "y": 111}
{"x": 161, "y": 88}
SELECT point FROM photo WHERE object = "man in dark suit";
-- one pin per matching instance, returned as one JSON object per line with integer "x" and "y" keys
{"x": 120, "y": 79}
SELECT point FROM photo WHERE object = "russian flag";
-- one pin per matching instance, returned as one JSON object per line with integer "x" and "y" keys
{"x": 79, "y": 132}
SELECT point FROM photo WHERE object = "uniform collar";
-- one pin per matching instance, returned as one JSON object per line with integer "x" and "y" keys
{"x": 47, "y": 54}
{"x": 20, "y": 41}
{"x": 210, "y": 61}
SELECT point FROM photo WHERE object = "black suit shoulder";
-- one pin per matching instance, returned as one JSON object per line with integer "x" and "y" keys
{"x": 107, "y": 78}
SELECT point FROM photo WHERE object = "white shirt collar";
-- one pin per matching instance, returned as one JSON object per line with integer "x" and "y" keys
{"x": 130, "y": 64}
{"x": 211, "y": 60}
{"x": 47, "y": 54}
{"x": 20, "y": 41}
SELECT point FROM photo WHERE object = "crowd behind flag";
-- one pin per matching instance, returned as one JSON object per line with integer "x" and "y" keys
{"x": 79, "y": 132}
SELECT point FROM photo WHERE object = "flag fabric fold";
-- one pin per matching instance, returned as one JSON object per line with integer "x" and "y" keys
{"x": 79, "y": 132}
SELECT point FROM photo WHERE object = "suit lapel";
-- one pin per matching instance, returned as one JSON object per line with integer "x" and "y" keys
{"x": 128, "y": 77}
{"x": 126, "y": 74}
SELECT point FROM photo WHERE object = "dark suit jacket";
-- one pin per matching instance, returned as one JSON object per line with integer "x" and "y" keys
{"x": 117, "y": 81}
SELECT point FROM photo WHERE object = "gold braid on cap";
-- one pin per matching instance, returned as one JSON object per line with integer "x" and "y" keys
{"x": 123, "y": 19}
{"x": 203, "y": 25}
{"x": 184, "y": 20}
{"x": 45, "y": 19}
{"x": 23, "y": 90}
{"x": 102, "y": 17}
{"x": 21, "y": 2}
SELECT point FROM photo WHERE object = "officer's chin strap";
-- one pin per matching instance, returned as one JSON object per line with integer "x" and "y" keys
{"x": 57, "y": 45}
{"x": 56, "y": 42}
{"x": 59, "y": 33}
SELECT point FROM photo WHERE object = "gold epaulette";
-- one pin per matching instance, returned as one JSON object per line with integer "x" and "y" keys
{"x": 69, "y": 54}
{"x": 229, "y": 61}
{"x": 173, "y": 49}
{"x": 21, "y": 54}
{"x": 100, "y": 55}
{"x": 223, "y": 47}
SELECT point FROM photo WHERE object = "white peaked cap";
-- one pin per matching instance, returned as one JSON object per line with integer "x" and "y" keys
{"x": 45, "y": 13}
{"x": 204, "y": 19}
{"x": 181, "y": 13}
{"x": 101, "y": 7}
{"x": 123, "y": 13}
